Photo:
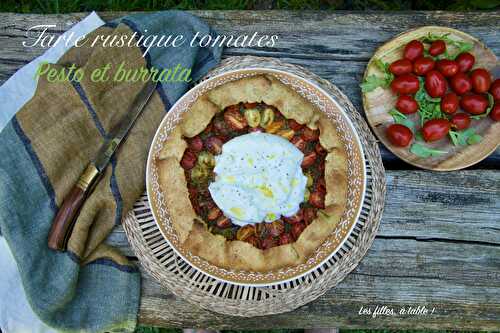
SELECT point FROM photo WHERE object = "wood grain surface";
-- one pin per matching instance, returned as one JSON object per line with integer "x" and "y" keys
{"x": 439, "y": 240}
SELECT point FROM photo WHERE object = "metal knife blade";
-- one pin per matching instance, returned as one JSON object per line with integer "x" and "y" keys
{"x": 121, "y": 130}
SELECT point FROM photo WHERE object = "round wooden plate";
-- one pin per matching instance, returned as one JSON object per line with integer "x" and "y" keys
{"x": 379, "y": 102}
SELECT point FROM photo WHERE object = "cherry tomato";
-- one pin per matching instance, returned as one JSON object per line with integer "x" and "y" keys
{"x": 435, "y": 84}
{"x": 423, "y": 65}
{"x": 297, "y": 230}
{"x": 310, "y": 134}
{"x": 465, "y": 62}
{"x": 285, "y": 238}
{"x": 435, "y": 129}
{"x": 481, "y": 80}
{"x": 196, "y": 144}
{"x": 294, "y": 125}
{"x": 460, "y": 83}
{"x": 437, "y": 47}
{"x": 405, "y": 84}
{"x": 475, "y": 104}
{"x": 400, "y": 67}
{"x": 413, "y": 50}
{"x": 460, "y": 121}
{"x": 399, "y": 135}
{"x": 188, "y": 160}
{"x": 495, "y": 112}
{"x": 449, "y": 103}
{"x": 447, "y": 67}
{"x": 495, "y": 90}
{"x": 406, "y": 104}
{"x": 317, "y": 199}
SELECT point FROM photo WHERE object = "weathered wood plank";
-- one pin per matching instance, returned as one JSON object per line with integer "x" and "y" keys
{"x": 438, "y": 246}
{"x": 395, "y": 273}
{"x": 334, "y": 45}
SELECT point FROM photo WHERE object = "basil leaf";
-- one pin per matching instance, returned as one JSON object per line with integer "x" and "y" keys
{"x": 397, "y": 116}
{"x": 400, "y": 118}
{"x": 381, "y": 65}
{"x": 372, "y": 82}
{"x": 423, "y": 151}
{"x": 454, "y": 137}
{"x": 464, "y": 137}
{"x": 473, "y": 139}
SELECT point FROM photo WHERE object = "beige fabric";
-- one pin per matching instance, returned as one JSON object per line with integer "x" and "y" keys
{"x": 70, "y": 120}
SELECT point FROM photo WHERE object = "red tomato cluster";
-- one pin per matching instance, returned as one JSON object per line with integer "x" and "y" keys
{"x": 453, "y": 82}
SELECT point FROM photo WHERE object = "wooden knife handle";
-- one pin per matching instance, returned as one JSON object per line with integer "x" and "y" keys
{"x": 63, "y": 223}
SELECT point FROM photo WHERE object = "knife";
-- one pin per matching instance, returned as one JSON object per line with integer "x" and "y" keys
{"x": 67, "y": 214}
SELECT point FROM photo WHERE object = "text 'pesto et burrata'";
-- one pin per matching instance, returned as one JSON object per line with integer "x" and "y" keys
{"x": 258, "y": 178}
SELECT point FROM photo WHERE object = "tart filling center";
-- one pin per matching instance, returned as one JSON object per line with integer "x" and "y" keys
{"x": 258, "y": 178}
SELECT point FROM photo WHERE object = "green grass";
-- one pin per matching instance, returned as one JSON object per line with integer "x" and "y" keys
{"x": 144, "y": 329}
{"x": 65, "y": 6}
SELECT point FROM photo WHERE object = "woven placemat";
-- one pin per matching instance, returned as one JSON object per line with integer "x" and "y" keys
{"x": 171, "y": 271}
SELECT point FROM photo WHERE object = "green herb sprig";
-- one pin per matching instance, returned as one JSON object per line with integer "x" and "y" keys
{"x": 428, "y": 107}
{"x": 466, "y": 137}
{"x": 400, "y": 118}
{"x": 424, "y": 151}
{"x": 372, "y": 82}
{"x": 459, "y": 45}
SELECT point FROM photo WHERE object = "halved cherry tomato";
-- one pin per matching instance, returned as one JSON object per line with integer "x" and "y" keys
{"x": 460, "y": 121}
{"x": 195, "y": 144}
{"x": 437, "y": 47}
{"x": 294, "y": 125}
{"x": 406, "y": 104}
{"x": 297, "y": 230}
{"x": 399, "y": 135}
{"x": 214, "y": 145}
{"x": 447, "y": 67}
{"x": 317, "y": 199}
{"x": 309, "y": 159}
{"x": 423, "y": 65}
{"x": 405, "y": 84}
{"x": 299, "y": 216}
{"x": 309, "y": 215}
{"x": 475, "y": 104}
{"x": 435, "y": 129}
{"x": 460, "y": 83}
{"x": 495, "y": 90}
{"x": 400, "y": 67}
{"x": 481, "y": 80}
{"x": 495, "y": 112}
{"x": 309, "y": 134}
{"x": 435, "y": 84}
{"x": 449, "y": 103}
{"x": 269, "y": 242}
{"x": 299, "y": 143}
{"x": 285, "y": 238}
{"x": 465, "y": 62}
{"x": 188, "y": 160}
{"x": 413, "y": 50}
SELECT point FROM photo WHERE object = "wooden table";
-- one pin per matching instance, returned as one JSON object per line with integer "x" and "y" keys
{"x": 439, "y": 240}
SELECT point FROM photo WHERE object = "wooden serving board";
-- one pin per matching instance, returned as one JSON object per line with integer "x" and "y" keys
{"x": 380, "y": 101}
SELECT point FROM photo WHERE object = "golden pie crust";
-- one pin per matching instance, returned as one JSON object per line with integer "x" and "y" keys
{"x": 192, "y": 231}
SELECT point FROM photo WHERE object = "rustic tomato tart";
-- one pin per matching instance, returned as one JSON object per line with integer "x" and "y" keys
{"x": 254, "y": 176}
